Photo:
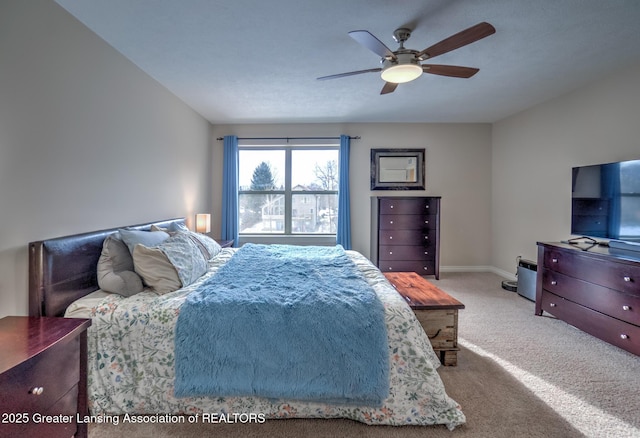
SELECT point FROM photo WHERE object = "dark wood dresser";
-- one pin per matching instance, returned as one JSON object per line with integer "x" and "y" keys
{"x": 43, "y": 376}
{"x": 405, "y": 234}
{"x": 593, "y": 289}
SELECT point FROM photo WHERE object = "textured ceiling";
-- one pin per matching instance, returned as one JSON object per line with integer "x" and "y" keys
{"x": 252, "y": 61}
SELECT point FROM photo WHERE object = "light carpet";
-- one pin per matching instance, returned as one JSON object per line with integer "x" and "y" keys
{"x": 518, "y": 375}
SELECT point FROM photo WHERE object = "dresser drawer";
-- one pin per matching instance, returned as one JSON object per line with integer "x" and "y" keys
{"x": 55, "y": 370}
{"x": 64, "y": 410}
{"x": 617, "y": 275}
{"x": 420, "y": 266}
{"x": 611, "y": 302}
{"x": 608, "y": 329}
{"x": 407, "y": 222}
{"x": 407, "y": 237}
{"x": 406, "y": 252}
{"x": 409, "y": 206}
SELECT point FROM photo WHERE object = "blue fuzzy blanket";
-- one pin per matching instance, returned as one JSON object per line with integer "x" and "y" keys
{"x": 282, "y": 321}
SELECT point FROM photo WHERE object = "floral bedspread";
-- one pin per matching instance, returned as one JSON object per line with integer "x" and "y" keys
{"x": 131, "y": 364}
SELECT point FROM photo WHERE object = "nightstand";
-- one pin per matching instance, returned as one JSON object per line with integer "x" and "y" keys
{"x": 43, "y": 376}
{"x": 436, "y": 310}
{"x": 225, "y": 243}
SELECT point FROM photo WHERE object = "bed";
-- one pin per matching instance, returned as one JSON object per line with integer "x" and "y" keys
{"x": 136, "y": 351}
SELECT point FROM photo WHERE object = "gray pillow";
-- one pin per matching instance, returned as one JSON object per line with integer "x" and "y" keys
{"x": 146, "y": 238}
{"x": 115, "y": 269}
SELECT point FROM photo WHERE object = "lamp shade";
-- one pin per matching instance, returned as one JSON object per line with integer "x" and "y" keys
{"x": 203, "y": 223}
{"x": 401, "y": 73}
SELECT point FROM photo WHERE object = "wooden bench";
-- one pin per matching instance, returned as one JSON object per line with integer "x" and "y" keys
{"x": 435, "y": 309}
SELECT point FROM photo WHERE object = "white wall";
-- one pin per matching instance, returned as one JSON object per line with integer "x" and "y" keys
{"x": 534, "y": 151}
{"x": 458, "y": 168}
{"x": 87, "y": 140}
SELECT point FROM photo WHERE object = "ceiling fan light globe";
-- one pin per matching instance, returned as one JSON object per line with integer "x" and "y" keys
{"x": 401, "y": 73}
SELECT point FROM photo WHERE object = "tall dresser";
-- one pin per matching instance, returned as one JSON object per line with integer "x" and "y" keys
{"x": 405, "y": 234}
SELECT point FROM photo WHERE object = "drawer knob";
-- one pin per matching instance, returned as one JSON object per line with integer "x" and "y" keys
{"x": 626, "y": 278}
{"x": 553, "y": 282}
{"x": 426, "y": 222}
{"x": 391, "y": 206}
{"x": 426, "y": 206}
{"x": 390, "y": 237}
{"x": 554, "y": 260}
{"x": 623, "y": 336}
{"x": 626, "y": 308}
{"x": 552, "y": 304}
{"x": 391, "y": 222}
{"x": 426, "y": 253}
{"x": 38, "y": 390}
{"x": 426, "y": 237}
{"x": 425, "y": 268}
{"x": 390, "y": 252}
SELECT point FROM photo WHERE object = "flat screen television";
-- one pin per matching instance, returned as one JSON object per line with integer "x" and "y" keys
{"x": 605, "y": 202}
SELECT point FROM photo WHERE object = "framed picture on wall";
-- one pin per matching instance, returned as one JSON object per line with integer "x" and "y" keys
{"x": 397, "y": 169}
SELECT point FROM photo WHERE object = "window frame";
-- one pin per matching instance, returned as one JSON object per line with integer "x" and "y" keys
{"x": 288, "y": 194}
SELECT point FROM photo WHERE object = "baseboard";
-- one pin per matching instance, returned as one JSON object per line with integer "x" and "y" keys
{"x": 502, "y": 273}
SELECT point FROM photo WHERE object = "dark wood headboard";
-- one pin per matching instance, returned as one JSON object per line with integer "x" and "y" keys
{"x": 63, "y": 269}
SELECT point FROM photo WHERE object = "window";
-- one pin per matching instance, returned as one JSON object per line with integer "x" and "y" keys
{"x": 288, "y": 189}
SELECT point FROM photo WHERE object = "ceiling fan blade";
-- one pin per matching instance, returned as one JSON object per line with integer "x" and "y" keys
{"x": 372, "y": 43}
{"x": 389, "y": 87}
{"x": 351, "y": 73}
{"x": 467, "y": 36}
{"x": 450, "y": 70}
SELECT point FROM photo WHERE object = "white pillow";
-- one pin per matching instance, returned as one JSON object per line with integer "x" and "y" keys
{"x": 155, "y": 269}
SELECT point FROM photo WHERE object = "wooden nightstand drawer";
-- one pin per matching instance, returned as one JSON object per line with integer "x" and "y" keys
{"x": 43, "y": 373}
{"x": 38, "y": 383}
{"x": 65, "y": 425}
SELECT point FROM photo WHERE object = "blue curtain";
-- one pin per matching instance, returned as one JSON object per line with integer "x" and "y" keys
{"x": 230, "y": 190}
{"x": 610, "y": 180}
{"x": 343, "y": 235}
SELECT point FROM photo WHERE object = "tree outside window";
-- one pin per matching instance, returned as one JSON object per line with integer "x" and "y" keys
{"x": 288, "y": 190}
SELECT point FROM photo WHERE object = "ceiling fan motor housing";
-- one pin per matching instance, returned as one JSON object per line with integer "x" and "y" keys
{"x": 406, "y": 68}
{"x": 401, "y": 35}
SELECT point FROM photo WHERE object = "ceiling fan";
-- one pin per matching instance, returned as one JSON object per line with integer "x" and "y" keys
{"x": 404, "y": 65}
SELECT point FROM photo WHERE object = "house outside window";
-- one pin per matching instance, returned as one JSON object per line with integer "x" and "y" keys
{"x": 288, "y": 192}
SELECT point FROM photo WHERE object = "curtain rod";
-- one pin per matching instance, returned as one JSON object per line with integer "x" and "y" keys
{"x": 291, "y": 138}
